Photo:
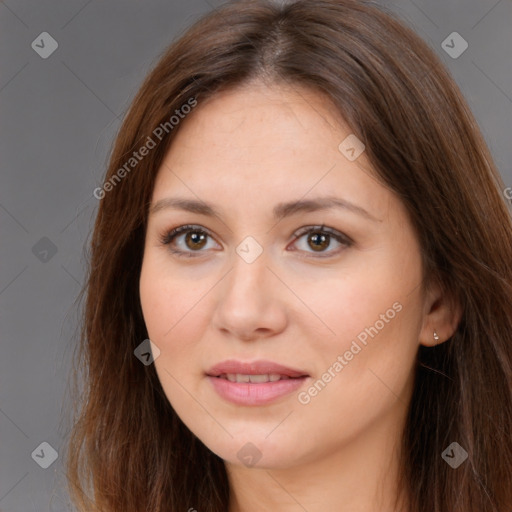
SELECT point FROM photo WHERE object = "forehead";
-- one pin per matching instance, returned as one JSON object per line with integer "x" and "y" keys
{"x": 261, "y": 118}
{"x": 258, "y": 143}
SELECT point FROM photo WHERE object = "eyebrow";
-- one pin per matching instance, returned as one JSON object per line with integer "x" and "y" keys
{"x": 280, "y": 211}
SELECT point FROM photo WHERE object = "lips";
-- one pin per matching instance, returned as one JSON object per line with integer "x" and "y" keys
{"x": 258, "y": 383}
{"x": 239, "y": 371}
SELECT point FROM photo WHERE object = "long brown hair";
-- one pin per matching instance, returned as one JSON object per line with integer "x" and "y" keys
{"x": 128, "y": 450}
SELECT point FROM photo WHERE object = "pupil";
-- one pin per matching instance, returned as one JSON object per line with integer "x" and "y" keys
{"x": 196, "y": 238}
{"x": 321, "y": 238}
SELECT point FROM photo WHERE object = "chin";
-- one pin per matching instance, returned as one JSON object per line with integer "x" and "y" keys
{"x": 257, "y": 452}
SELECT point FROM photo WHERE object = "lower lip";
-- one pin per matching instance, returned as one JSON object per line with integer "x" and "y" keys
{"x": 249, "y": 393}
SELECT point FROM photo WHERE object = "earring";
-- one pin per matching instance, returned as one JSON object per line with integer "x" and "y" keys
{"x": 436, "y": 336}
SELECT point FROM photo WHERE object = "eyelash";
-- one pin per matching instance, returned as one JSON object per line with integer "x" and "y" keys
{"x": 169, "y": 236}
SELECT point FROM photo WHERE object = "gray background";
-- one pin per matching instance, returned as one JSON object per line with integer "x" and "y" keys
{"x": 59, "y": 116}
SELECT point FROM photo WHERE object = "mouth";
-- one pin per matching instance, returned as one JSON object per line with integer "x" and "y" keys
{"x": 255, "y": 383}
{"x": 255, "y": 379}
{"x": 258, "y": 370}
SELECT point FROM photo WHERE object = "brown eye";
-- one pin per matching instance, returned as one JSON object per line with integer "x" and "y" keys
{"x": 186, "y": 240}
{"x": 318, "y": 241}
{"x": 195, "y": 239}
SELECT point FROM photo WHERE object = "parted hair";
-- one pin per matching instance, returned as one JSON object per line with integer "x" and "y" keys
{"x": 128, "y": 451}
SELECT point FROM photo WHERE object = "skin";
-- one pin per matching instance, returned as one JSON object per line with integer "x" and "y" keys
{"x": 245, "y": 150}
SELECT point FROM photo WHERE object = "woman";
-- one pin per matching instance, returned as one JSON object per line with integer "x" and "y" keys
{"x": 302, "y": 216}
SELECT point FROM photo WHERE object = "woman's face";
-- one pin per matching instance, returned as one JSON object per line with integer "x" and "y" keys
{"x": 262, "y": 280}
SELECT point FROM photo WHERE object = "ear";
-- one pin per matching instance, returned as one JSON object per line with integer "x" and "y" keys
{"x": 442, "y": 314}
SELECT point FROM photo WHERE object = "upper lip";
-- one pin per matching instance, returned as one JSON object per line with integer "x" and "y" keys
{"x": 260, "y": 367}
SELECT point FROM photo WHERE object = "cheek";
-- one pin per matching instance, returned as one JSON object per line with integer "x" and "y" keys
{"x": 374, "y": 310}
{"x": 171, "y": 308}
{"x": 167, "y": 300}
{"x": 177, "y": 311}
{"x": 154, "y": 299}
{"x": 367, "y": 293}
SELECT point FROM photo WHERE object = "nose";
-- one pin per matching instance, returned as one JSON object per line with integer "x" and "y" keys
{"x": 250, "y": 301}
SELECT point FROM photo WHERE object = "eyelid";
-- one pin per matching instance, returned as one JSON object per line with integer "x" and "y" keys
{"x": 324, "y": 229}
{"x": 169, "y": 236}
{"x": 339, "y": 236}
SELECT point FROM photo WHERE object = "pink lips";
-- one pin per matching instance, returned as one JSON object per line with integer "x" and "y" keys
{"x": 254, "y": 393}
